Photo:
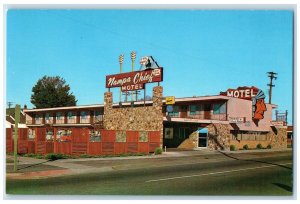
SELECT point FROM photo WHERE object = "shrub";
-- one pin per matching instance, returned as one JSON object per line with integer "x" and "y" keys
{"x": 269, "y": 146}
{"x": 245, "y": 147}
{"x": 53, "y": 156}
{"x": 158, "y": 150}
{"x": 259, "y": 146}
{"x": 29, "y": 155}
{"x": 86, "y": 156}
{"x": 232, "y": 148}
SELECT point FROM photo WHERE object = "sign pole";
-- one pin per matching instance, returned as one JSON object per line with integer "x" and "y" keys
{"x": 145, "y": 95}
{"x": 17, "y": 120}
{"x": 121, "y": 59}
{"x": 133, "y": 56}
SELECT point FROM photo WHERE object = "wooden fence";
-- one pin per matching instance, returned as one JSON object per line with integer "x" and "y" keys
{"x": 79, "y": 141}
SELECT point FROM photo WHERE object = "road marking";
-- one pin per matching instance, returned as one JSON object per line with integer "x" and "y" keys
{"x": 214, "y": 173}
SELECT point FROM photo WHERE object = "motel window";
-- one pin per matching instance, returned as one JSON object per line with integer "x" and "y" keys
{"x": 249, "y": 135}
{"x": 31, "y": 134}
{"x": 175, "y": 112}
{"x": 143, "y": 136}
{"x": 37, "y": 117}
{"x": 95, "y": 136}
{"x": 98, "y": 115}
{"x": 169, "y": 133}
{"x": 58, "y": 116}
{"x": 83, "y": 114}
{"x": 70, "y": 115}
{"x": 194, "y": 109}
{"x": 64, "y": 135}
{"x": 49, "y": 135}
{"x": 47, "y": 116}
{"x": 121, "y": 136}
{"x": 219, "y": 108}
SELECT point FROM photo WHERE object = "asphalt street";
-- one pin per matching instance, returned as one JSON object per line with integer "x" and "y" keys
{"x": 194, "y": 174}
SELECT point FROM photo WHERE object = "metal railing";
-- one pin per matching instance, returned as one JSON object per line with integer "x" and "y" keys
{"x": 221, "y": 117}
{"x": 71, "y": 120}
{"x": 85, "y": 120}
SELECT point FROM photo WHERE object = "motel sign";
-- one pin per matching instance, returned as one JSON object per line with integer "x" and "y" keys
{"x": 241, "y": 92}
{"x": 131, "y": 81}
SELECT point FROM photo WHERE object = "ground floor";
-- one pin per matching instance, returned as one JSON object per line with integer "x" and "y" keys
{"x": 220, "y": 136}
{"x": 82, "y": 140}
{"x": 91, "y": 140}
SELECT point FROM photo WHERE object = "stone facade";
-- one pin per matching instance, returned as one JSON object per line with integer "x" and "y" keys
{"x": 218, "y": 137}
{"x": 148, "y": 118}
{"x": 278, "y": 137}
{"x": 191, "y": 142}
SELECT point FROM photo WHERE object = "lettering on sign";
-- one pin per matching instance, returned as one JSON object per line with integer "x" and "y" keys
{"x": 137, "y": 79}
{"x": 170, "y": 100}
{"x": 132, "y": 87}
{"x": 252, "y": 93}
{"x": 241, "y": 92}
{"x": 237, "y": 119}
{"x": 277, "y": 123}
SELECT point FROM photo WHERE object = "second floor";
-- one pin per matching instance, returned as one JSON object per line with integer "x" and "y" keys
{"x": 218, "y": 108}
{"x": 64, "y": 116}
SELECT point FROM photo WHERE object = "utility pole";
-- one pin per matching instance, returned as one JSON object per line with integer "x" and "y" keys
{"x": 9, "y": 103}
{"x": 272, "y": 75}
{"x": 17, "y": 120}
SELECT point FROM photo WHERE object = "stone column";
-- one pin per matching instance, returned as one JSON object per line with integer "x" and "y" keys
{"x": 108, "y": 103}
{"x": 157, "y": 96}
{"x": 157, "y": 104}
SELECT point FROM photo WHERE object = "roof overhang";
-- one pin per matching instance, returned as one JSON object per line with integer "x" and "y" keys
{"x": 201, "y": 98}
{"x": 63, "y": 108}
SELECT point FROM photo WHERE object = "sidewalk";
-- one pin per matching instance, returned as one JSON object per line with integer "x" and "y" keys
{"x": 31, "y": 168}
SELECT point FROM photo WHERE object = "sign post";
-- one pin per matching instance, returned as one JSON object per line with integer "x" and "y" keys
{"x": 17, "y": 120}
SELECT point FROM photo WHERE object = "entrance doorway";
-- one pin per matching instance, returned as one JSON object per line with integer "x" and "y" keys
{"x": 207, "y": 111}
{"x": 202, "y": 137}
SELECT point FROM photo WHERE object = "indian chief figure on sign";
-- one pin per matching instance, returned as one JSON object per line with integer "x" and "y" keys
{"x": 259, "y": 106}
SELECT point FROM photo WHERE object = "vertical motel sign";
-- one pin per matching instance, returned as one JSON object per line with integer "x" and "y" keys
{"x": 131, "y": 81}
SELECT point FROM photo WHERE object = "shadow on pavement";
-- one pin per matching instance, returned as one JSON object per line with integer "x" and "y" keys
{"x": 252, "y": 160}
{"x": 33, "y": 165}
{"x": 283, "y": 186}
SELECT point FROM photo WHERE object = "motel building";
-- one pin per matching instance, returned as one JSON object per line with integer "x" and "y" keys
{"x": 233, "y": 117}
{"x": 212, "y": 122}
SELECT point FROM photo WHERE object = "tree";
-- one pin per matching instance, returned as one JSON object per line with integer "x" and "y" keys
{"x": 52, "y": 92}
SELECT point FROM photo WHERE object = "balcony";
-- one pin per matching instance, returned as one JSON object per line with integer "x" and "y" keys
{"x": 71, "y": 120}
{"x": 29, "y": 122}
{"x": 221, "y": 117}
{"x": 49, "y": 120}
{"x": 60, "y": 121}
{"x": 204, "y": 116}
{"x": 84, "y": 120}
{"x": 98, "y": 118}
{"x": 38, "y": 121}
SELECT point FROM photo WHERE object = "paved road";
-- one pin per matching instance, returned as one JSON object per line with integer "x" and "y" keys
{"x": 267, "y": 173}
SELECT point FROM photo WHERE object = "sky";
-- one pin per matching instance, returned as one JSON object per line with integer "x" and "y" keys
{"x": 203, "y": 52}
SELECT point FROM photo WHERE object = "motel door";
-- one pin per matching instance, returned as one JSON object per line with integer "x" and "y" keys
{"x": 207, "y": 111}
{"x": 202, "y": 139}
